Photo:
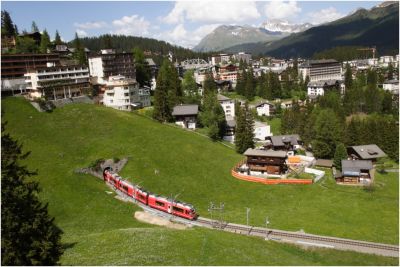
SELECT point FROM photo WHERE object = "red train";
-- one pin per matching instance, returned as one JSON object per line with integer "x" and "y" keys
{"x": 164, "y": 204}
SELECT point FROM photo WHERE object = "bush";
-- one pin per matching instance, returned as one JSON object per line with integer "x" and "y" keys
{"x": 45, "y": 105}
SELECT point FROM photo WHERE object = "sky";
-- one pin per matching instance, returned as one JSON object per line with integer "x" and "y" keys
{"x": 182, "y": 23}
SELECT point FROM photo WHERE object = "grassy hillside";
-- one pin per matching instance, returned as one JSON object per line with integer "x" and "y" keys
{"x": 101, "y": 230}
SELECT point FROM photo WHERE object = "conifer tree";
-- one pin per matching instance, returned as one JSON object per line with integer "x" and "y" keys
{"x": 34, "y": 27}
{"x": 44, "y": 42}
{"x": 28, "y": 234}
{"x": 348, "y": 77}
{"x": 79, "y": 53}
{"x": 57, "y": 39}
{"x": 209, "y": 85}
{"x": 213, "y": 116}
{"x": 390, "y": 71}
{"x": 7, "y": 26}
{"x": 190, "y": 89}
{"x": 340, "y": 153}
{"x": 141, "y": 66}
{"x": 244, "y": 133}
{"x": 168, "y": 92}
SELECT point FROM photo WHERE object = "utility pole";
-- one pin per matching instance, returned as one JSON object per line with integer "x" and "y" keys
{"x": 247, "y": 215}
{"x": 266, "y": 228}
{"x": 221, "y": 208}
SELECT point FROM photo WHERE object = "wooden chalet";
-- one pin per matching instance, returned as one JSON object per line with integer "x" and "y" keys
{"x": 283, "y": 142}
{"x": 186, "y": 115}
{"x": 354, "y": 172}
{"x": 366, "y": 152}
{"x": 269, "y": 161}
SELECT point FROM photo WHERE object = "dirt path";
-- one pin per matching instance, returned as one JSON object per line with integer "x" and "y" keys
{"x": 152, "y": 219}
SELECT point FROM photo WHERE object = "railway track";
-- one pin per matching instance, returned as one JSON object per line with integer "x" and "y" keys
{"x": 277, "y": 235}
{"x": 304, "y": 239}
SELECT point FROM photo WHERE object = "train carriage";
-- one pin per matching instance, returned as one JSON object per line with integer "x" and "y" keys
{"x": 164, "y": 204}
{"x": 160, "y": 203}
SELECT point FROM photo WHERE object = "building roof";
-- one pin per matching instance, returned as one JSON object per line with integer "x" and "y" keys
{"x": 261, "y": 103}
{"x": 150, "y": 61}
{"x": 368, "y": 151}
{"x": 280, "y": 140}
{"x": 265, "y": 153}
{"x": 185, "y": 110}
{"x": 324, "y": 163}
{"x": 309, "y": 63}
{"x": 355, "y": 166}
{"x": 222, "y": 98}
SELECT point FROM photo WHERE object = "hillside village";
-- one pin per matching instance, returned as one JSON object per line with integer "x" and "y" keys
{"x": 249, "y": 91}
{"x": 290, "y": 121}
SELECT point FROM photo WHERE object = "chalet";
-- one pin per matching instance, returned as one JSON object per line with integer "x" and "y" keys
{"x": 264, "y": 108}
{"x": 283, "y": 142}
{"x": 354, "y": 172}
{"x": 186, "y": 115}
{"x": 317, "y": 88}
{"x": 365, "y": 152}
{"x": 269, "y": 161}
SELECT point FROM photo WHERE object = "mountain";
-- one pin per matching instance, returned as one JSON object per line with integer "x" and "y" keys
{"x": 277, "y": 25}
{"x": 225, "y": 36}
{"x": 378, "y": 27}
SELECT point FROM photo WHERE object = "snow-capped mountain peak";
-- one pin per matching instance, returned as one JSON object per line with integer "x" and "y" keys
{"x": 276, "y": 25}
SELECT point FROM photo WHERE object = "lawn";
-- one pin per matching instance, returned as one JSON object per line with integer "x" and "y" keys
{"x": 100, "y": 230}
{"x": 275, "y": 124}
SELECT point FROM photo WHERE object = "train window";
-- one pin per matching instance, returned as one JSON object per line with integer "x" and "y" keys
{"x": 161, "y": 204}
{"x": 125, "y": 188}
{"x": 141, "y": 196}
{"x": 177, "y": 209}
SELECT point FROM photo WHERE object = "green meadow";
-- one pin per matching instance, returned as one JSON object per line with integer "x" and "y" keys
{"x": 101, "y": 230}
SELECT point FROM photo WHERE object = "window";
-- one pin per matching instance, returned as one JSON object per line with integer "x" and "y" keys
{"x": 125, "y": 188}
{"x": 161, "y": 204}
{"x": 177, "y": 209}
{"x": 126, "y": 94}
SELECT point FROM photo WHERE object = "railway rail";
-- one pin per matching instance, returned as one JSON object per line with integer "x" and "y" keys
{"x": 301, "y": 239}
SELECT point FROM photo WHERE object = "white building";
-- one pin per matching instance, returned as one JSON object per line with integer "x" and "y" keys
{"x": 391, "y": 85}
{"x": 228, "y": 105}
{"x": 264, "y": 109}
{"x": 319, "y": 70}
{"x": 318, "y": 88}
{"x": 121, "y": 93}
{"x": 261, "y": 130}
{"x": 60, "y": 82}
{"x": 109, "y": 63}
{"x": 242, "y": 56}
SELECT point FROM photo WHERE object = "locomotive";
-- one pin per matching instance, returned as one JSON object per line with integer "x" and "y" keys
{"x": 152, "y": 200}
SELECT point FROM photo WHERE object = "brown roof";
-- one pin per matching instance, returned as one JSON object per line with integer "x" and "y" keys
{"x": 265, "y": 153}
{"x": 324, "y": 163}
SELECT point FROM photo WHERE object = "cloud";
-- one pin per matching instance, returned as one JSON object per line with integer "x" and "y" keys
{"x": 324, "y": 15}
{"x": 91, "y": 25}
{"x": 212, "y": 12}
{"x": 281, "y": 10}
{"x": 81, "y": 33}
{"x": 131, "y": 25}
{"x": 180, "y": 36}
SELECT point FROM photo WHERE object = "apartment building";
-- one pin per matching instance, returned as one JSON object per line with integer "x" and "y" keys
{"x": 320, "y": 70}
{"x": 109, "y": 63}
{"x": 124, "y": 94}
{"x": 57, "y": 82}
